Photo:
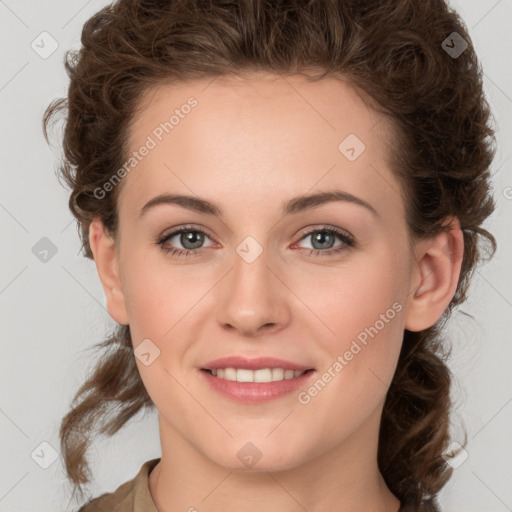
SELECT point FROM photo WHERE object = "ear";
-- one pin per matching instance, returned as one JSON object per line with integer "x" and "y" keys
{"x": 438, "y": 264}
{"x": 104, "y": 251}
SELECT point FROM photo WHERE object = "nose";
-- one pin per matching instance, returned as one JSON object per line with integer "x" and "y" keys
{"x": 253, "y": 299}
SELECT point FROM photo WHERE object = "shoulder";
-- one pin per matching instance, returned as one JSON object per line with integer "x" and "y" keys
{"x": 132, "y": 495}
{"x": 111, "y": 501}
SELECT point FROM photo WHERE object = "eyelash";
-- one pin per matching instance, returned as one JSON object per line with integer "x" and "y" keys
{"x": 348, "y": 241}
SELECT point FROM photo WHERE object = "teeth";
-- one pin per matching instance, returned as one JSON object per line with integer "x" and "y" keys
{"x": 263, "y": 375}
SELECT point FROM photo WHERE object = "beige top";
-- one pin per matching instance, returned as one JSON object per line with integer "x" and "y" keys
{"x": 134, "y": 496}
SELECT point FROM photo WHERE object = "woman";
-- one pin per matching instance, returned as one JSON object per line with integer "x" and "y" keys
{"x": 205, "y": 144}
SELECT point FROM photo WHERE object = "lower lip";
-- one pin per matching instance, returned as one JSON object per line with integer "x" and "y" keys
{"x": 256, "y": 392}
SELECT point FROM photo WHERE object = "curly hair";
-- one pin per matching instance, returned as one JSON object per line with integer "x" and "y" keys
{"x": 390, "y": 51}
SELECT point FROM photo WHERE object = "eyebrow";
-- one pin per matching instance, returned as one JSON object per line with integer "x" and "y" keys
{"x": 292, "y": 206}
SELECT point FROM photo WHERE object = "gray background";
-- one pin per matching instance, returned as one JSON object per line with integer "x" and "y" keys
{"x": 53, "y": 311}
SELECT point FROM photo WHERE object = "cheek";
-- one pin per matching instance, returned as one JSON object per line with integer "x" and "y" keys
{"x": 158, "y": 301}
{"x": 154, "y": 288}
{"x": 353, "y": 295}
{"x": 359, "y": 309}
{"x": 164, "y": 305}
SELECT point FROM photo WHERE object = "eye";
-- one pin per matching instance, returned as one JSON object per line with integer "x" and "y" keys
{"x": 192, "y": 239}
{"x": 189, "y": 237}
{"x": 323, "y": 239}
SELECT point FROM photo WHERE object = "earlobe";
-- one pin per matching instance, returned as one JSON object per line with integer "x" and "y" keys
{"x": 104, "y": 251}
{"x": 437, "y": 275}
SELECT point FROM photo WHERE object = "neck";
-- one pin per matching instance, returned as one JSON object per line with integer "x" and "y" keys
{"x": 345, "y": 479}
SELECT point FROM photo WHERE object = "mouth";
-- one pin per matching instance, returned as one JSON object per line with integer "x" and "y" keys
{"x": 249, "y": 386}
{"x": 262, "y": 375}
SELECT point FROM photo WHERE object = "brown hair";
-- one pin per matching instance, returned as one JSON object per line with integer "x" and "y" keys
{"x": 390, "y": 51}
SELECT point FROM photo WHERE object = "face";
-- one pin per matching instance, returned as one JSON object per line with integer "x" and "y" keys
{"x": 324, "y": 287}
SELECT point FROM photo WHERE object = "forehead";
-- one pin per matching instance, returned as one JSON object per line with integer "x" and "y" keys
{"x": 255, "y": 137}
{"x": 260, "y": 101}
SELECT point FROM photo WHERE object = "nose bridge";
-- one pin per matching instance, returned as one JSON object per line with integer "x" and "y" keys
{"x": 252, "y": 295}
{"x": 251, "y": 264}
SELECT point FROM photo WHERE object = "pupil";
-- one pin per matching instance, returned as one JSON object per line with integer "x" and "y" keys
{"x": 189, "y": 237}
{"x": 320, "y": 237}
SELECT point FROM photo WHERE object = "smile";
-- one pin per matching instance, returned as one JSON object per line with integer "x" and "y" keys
{"x": 256, "y": 386}
{"x": 262, "y": 375}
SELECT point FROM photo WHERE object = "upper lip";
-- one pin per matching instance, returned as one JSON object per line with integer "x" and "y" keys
{"x": 253, "y": 364}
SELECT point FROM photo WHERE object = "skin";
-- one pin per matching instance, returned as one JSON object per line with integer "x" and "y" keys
{"x": 248, "y": 146}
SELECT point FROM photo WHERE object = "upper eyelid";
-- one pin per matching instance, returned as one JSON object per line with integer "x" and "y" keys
{"x": 320, "y": 227}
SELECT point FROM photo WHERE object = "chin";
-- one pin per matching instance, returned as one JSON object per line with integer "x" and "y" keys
{"x": 257, "y": 455}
